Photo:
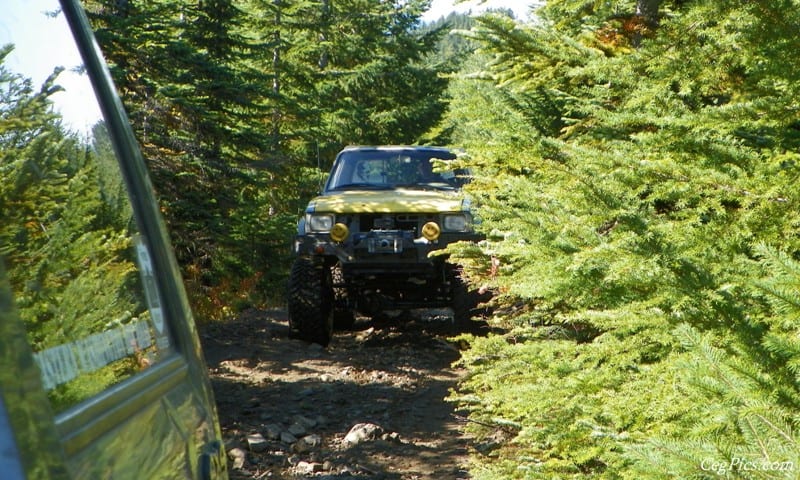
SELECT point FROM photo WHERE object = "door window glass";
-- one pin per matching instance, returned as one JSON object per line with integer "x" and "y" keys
{"x": 80, "y": 273}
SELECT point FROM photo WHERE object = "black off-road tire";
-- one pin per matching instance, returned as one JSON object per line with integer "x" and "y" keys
{"x": 465, "y": 302}
{"x": 343, "y": 316}
{"x": 310, "y": 302}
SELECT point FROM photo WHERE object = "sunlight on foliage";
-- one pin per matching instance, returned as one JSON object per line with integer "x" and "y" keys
{"x": 628, "y": 178}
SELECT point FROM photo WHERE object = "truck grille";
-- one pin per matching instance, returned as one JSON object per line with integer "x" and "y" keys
{"x": 411, "y": 222}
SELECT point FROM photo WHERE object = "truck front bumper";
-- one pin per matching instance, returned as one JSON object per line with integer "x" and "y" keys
{"x": 377, "y": 247}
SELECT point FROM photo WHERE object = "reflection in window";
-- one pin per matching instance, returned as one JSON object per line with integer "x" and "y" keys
{"x": 77, "y": 267}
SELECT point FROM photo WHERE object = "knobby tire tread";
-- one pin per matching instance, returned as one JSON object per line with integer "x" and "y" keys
{"x": 310, "y": 302}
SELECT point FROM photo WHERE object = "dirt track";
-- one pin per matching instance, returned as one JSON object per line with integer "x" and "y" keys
{"x": 286, "y": 406}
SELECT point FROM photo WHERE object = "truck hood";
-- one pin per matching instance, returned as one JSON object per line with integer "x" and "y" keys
{"x": 388, "y": 201}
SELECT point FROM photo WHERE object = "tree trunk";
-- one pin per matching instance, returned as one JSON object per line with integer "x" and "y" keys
{"x": 326, "y": 13}
{"x": 648, "y": 10}
{"x": 276, "y": 79}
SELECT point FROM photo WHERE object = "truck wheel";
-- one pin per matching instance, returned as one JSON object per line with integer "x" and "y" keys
{"x": 343, "y": 316}
{"x": 310, "y": 302}
{"x": 464, "y": 302}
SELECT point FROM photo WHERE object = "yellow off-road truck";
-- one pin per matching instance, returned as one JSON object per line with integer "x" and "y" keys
{"x": 368, "y": 242}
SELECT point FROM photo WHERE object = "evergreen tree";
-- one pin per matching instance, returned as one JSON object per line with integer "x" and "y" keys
{"x": 372, "y": 85}
{"x": 191, "y": 75}
{"x": 453, "y": 48}
{"x": 626, "y": 173}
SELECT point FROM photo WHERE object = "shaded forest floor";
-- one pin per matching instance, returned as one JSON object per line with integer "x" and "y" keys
{"x": 369, "y": 406}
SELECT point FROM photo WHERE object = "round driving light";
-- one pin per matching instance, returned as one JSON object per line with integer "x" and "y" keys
{"x": 431, "y": 231}
{"x": 339, "y": 232}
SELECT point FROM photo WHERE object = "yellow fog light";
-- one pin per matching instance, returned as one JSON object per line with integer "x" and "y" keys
{"x": 339, "y": 232}
{"x": 431, "y": 231}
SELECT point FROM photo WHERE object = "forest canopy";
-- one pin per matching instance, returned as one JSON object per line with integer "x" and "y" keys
{"x": 251, "y": 99}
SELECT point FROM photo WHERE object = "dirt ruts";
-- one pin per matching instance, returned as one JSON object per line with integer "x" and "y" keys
{"x": 369, "y": 406}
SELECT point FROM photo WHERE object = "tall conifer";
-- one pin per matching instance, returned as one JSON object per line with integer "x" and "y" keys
{"x": 626, "y": 179}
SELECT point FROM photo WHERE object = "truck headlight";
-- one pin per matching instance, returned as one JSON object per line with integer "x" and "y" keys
{"x": 456, "y": 223}
{"x": 319, "y": 223}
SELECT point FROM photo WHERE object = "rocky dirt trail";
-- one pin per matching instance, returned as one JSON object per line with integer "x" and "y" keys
{"x": 370, "y": 406}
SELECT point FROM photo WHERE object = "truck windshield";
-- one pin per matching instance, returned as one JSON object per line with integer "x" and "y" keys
{"x": 377, "y": 169}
